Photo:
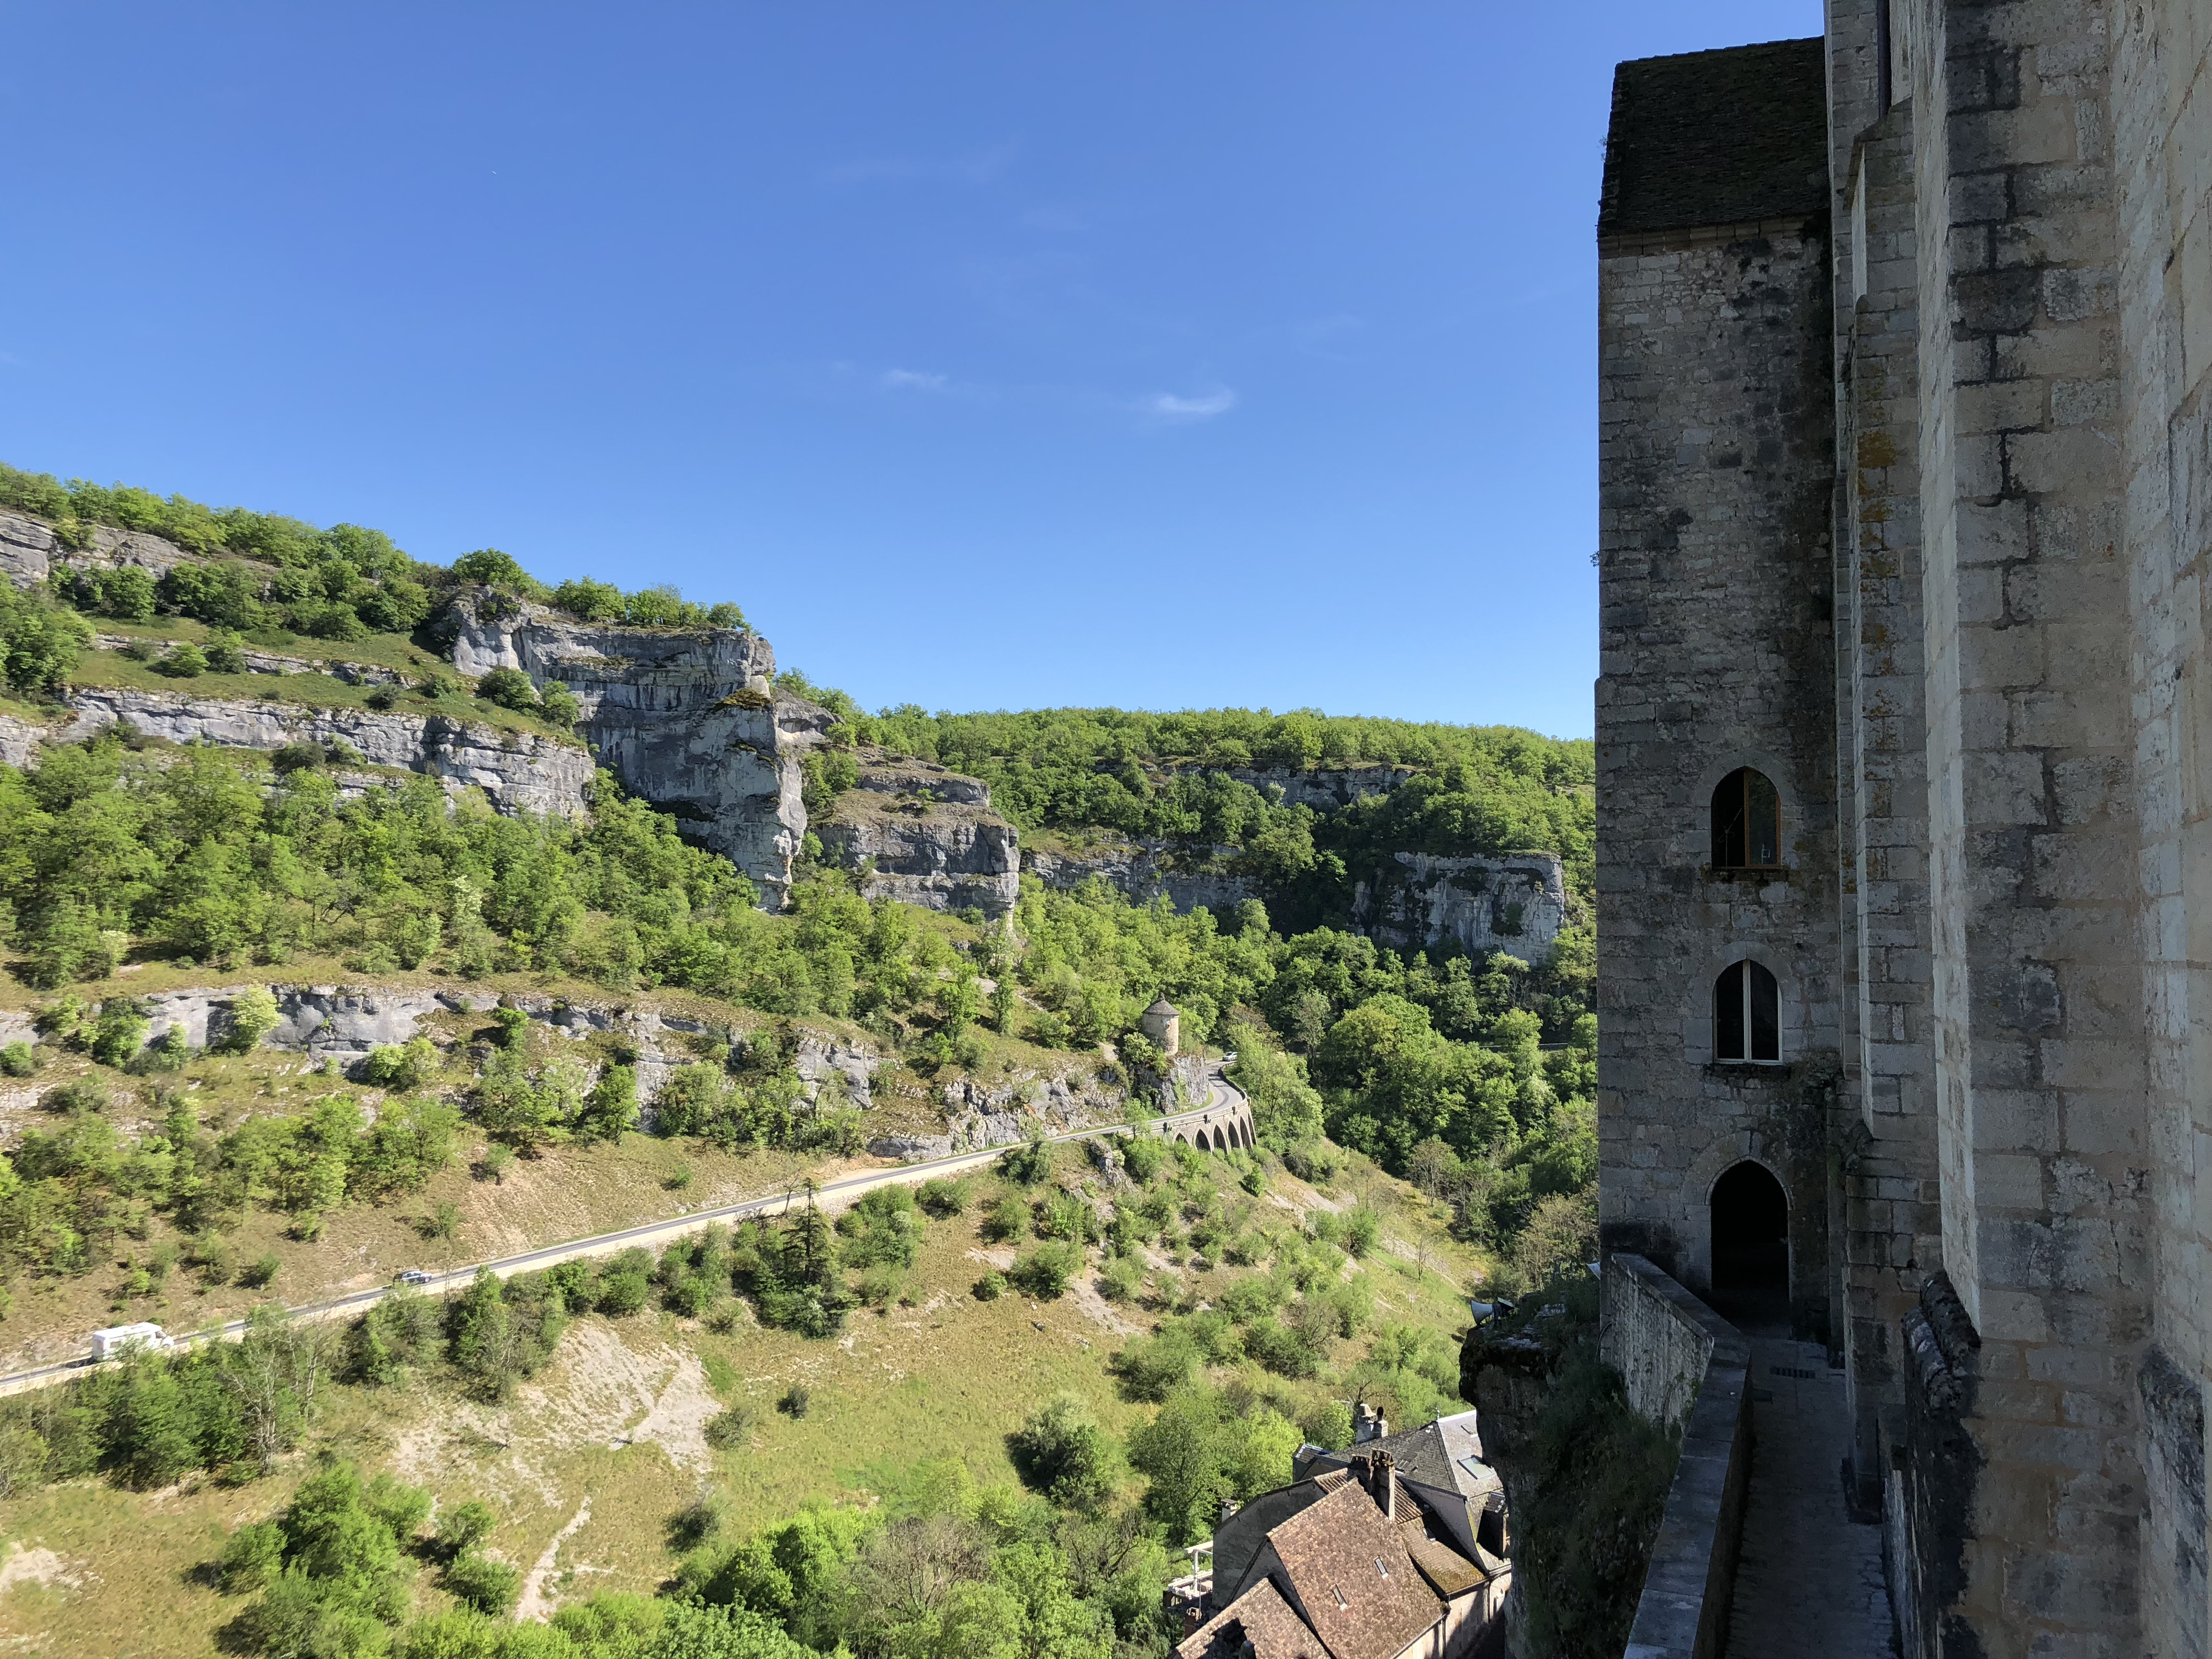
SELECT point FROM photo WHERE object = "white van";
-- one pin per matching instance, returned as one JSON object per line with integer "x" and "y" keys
{"x": 109, "y": 1343}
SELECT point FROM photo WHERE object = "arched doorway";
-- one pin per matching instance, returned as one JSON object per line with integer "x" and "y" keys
{"x": 1751, "y": 1249}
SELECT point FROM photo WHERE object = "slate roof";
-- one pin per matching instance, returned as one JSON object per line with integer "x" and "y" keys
{"x": 1448, "y": 1572}
{"x": 1348, "y": 1569}
{"x": 1162, "y": 1006}
{"x": 1261, "y": 1617}
{"x": 1445, "y": 1455}
{"x": 1717, "y": 138}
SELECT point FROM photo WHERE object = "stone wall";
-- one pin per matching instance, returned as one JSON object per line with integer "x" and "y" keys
{"x": 1715, "y": 614}
{"x": 1685, "y": 1368}
{"x": 2020, "y": 314}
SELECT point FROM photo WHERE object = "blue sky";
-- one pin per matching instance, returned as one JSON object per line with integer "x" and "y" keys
{"x": 991, "y": 355}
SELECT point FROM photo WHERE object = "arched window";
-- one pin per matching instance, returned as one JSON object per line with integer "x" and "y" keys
{"x": 1747, "y": 822}
{"x": 1747, "y": 1013}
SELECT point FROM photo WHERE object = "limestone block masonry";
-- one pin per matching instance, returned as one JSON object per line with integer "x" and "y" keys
{"x": 1906, "y": 474}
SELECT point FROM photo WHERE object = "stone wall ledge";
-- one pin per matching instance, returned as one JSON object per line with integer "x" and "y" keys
{"x": 1651, "y": 1324}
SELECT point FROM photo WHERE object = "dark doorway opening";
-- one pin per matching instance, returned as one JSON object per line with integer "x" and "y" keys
{"x": 1751, "y": 1251}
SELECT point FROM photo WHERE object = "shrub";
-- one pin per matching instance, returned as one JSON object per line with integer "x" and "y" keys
{"x": 1142, "y": 1156}
{"x": 1061, "y": 1452}
{"x": 942, "y": 1196}
{"x": 990, "y": 1287}
{"x": 1046, "y": 1271}
{"x": 797, "y": 1400}
{"x": 1005, "y": 1217}
{"x": 462, "y": 1528}
{"x": 260, "y": 1273}
{"x": 490, "y": 1586}
{"x": 509, "y": 688}
{"x": 400, "y": 1066}
{"x": 1121, "y": 1280}
{"x": 253, "y": 1016}
{"x": 182, "y": 661}
{"x": 1152, "y": 1368}
{"x": 731, "y": 1430}
{"x": 494, "y": 568}
{"x": 224, "y": 655}
{"x": 296, "y": 757}
{"x": 18, "y": 1060}
{"x": 1029, "y": 1162}
{"x": 119, "y": 1031}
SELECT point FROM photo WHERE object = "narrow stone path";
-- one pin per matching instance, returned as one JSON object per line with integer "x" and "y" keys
{"x": 1808, "y": 1582}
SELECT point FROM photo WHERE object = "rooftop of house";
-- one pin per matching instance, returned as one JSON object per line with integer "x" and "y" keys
{"x": 1717, "y": 138}
{"x": 1445, "y": 1455}
{"x": 1336, "y": 1578}
{"x": 1259, "y": 1623}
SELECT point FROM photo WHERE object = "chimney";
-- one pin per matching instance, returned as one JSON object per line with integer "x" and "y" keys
{"x": 1380, "y": 1467}
{"x": 1368, "y": 1424}
{"x": 1229, "y": 1507}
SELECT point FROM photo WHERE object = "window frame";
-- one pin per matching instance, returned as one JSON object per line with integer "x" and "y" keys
{"x": 1747, "y": 973}
{"x": 1739, "y": 783}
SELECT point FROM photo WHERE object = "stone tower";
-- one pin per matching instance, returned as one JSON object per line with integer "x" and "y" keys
{"x": 1163, "y": 1025}
{"x": 1904, "y": 726}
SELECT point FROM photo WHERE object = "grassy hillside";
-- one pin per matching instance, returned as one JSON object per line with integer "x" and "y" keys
{"x": 1199, "y": 1318}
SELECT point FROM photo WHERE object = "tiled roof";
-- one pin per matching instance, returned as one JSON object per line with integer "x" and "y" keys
{"x": 1717, "y": 138}
{"x": 1348, "y": 1569}
{"x": 1261, "y": 1617}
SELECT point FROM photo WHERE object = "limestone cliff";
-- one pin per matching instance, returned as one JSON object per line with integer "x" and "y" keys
{"x": 687, "y": 718}
{"x": 518, "y": 771}
{"x": 1143, "y": 867}
{"x": 1515, "y": 902}
{"x": 924, "y": 835}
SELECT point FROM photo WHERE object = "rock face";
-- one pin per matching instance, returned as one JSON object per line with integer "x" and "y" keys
{"x": 518, "y": 772}
{"x": 1515, "y": 903}
{"x": 930, "y": 833}
{"x": 1324, "y": 788}
{"x": 29, "y": 550}
{"x": 686, "y": 718}
{"x": 1143, "y": 869}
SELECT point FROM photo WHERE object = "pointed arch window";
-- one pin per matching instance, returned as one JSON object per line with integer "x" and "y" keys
{"x": 1747, "y": 1015}
{"x": 1747, "y": 822}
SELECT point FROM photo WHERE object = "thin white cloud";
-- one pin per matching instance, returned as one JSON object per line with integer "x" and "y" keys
{"x": 907, "y": 380}
{"x": 1171, "y": 406}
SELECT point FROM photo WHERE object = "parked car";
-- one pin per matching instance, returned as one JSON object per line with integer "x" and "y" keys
{"x": 413, "y": 1276}
{"x": 111, "y": 1343}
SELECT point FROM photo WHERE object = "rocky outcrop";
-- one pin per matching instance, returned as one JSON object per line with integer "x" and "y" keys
{"x": 1323, "y": 788}
{"x": 313, "y": 1019}
{"x": 1143, "y": 869}
{"x": 687, "y": 718}
{"x": 19, "y": 740}
{"x": 924, "y": 835}
{"x": 29, "y": 550}
{"x": 519, "y": 772}
{"x": 1515, "y": 903}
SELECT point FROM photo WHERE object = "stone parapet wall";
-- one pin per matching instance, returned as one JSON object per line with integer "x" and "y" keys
{"x": 1687, "y": 1367}
{"x": 1658, "y": 1336}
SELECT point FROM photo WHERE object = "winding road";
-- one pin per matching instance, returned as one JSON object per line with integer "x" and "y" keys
{"x": 1224, "y": 1103}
